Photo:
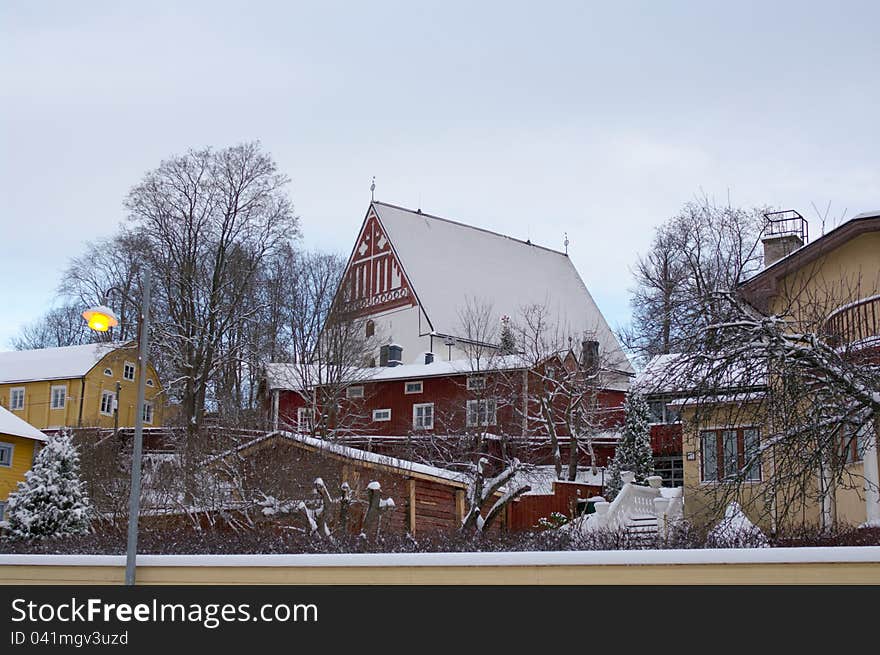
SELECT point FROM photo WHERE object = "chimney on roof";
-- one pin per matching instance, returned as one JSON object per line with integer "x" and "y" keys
{"x": 589, "y": 355}
{"x": 395, "y": 355}
{"x": 784, "y": 232}
{"x": 429, "y": 358}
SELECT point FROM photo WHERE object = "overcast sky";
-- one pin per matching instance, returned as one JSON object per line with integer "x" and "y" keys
{"x": 532, "y": 119}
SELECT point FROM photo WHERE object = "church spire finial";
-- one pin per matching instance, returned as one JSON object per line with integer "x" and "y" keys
{"x": 566, "y": 243}
{"x": 373, "y": 189}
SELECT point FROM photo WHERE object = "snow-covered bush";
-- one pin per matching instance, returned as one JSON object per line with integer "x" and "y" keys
{"x": 735, "y": 530}
{"x": 52, "y": 500}
{"x": 633, "y": 451}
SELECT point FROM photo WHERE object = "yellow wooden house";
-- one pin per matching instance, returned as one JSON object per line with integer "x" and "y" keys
{"x": 831, "y": 287}
{"x": 19, "y": 445}
{"x": 94, "y": 385}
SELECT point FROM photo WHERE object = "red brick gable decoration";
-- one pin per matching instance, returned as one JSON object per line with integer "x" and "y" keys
{"x": 374, "y": 280}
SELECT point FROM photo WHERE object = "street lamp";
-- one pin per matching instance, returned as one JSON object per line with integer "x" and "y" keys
{"x": 101, "y": 318}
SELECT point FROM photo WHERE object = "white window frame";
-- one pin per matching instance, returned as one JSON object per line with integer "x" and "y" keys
{"x": 108, "y": 410}
{"x": 108, "y": 372}
{"x": 52, "y": 390}
{"x": 378, "y": 415}
{"x": 10, "y": 447}
{"x": 150, "y": 382}
{"x": 125, "y": 368}
{"x": 476, "y": 382}
{"x": 407, "y": 391}
{"x": 473, "y": 412}
{"x": 13, "y": 393}
{"x": 665, "y": 413}
{"x": 148, "y": 412}
{"x": 303, "y": 420}
{"x": 421, "y": 424}
{"x": 355, "y": 391}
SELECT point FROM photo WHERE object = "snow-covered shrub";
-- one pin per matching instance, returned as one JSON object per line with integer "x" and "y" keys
{"x": 633, "y": 452}
{"x": 552, "y": 522}
{"x": 735, "y": 530}
{"x": 52, "y": 500}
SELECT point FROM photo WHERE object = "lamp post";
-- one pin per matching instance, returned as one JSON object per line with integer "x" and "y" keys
{"x": 102, "y": 318}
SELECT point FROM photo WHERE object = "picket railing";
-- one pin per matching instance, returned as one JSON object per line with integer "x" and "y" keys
{"x": 636, "y": 506}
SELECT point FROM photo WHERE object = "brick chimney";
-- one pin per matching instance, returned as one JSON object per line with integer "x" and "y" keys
{"x": 778, "y": 246}
{"x": 784, "y": 232}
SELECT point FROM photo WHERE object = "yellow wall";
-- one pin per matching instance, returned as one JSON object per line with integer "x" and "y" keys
{"x": 705, "y": 501}
{"x": 846, "y": 274}
{"x": 37, "y": 407}
{"x": 22, "y": 458}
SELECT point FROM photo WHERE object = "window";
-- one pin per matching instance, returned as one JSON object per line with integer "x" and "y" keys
{"x": 355, "y": 391}
{"x": 413, "y": 387}
{"x": 671, "y": 469}
{"x": 475, "y": 382}
{"x": 726, "y": 453}
{"x": 148, "y": 412}
{"x": 2, "y": 509}
{"x": 480, "y": 413}
{"x": 381, "y": 414}
{"x": 128, "y": 371}
{"x": 6, "y": 454}
{"x": 150, "y": 382}
{"x": 108, "y": 372}
{"x": 58, "y": 397}
{"x": 852, "y": 443}
{"x": 16, "y": 398}
{"x": 304, "y": 420}
{"x": 661, "y": 414}
{"x": 108, "y": 403}
{"x": 370, "y": 329}
{"x": 423, "y": 416}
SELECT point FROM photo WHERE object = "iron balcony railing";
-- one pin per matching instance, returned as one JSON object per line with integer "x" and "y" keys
{"x": 855, "y": 323}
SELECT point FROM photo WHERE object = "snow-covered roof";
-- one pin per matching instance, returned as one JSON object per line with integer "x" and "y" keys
{"x": 354, "y": 454}
{"x": 541, "y": 479}
{"x": 289, "y": 376}
{"x": 52, "y": 363}
{"x": 448, "y": 262}
{"x": 683, "y": 374}
{"x": 12, "y": 425}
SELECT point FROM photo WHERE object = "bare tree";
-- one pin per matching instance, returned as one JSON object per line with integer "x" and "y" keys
{"x": 704, "y": 249}
{"x": 60, "y": 326}
{"x": 559, "y": 397}
{"x": 208, "y": 220}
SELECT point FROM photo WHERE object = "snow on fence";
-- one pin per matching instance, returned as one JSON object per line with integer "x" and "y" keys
{"x": 843, "y": 564}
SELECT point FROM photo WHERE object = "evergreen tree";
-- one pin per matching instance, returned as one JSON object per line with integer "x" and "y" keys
{"x": 633, "y": 451}
{"x": 508, "y": 343}
{"x": 51, "y": 502}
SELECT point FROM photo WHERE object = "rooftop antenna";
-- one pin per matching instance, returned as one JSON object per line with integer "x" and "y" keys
{"x": 373, "y": 189}
{"x": 566, "y": 244}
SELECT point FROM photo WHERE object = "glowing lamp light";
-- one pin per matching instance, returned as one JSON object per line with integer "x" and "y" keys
{"x": 100, "y": 318}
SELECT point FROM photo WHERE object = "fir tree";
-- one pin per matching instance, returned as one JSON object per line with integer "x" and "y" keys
{"x": 508, "y": 343}
{"x": 633, "y": 451}
{"x": 51, "y": 502}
